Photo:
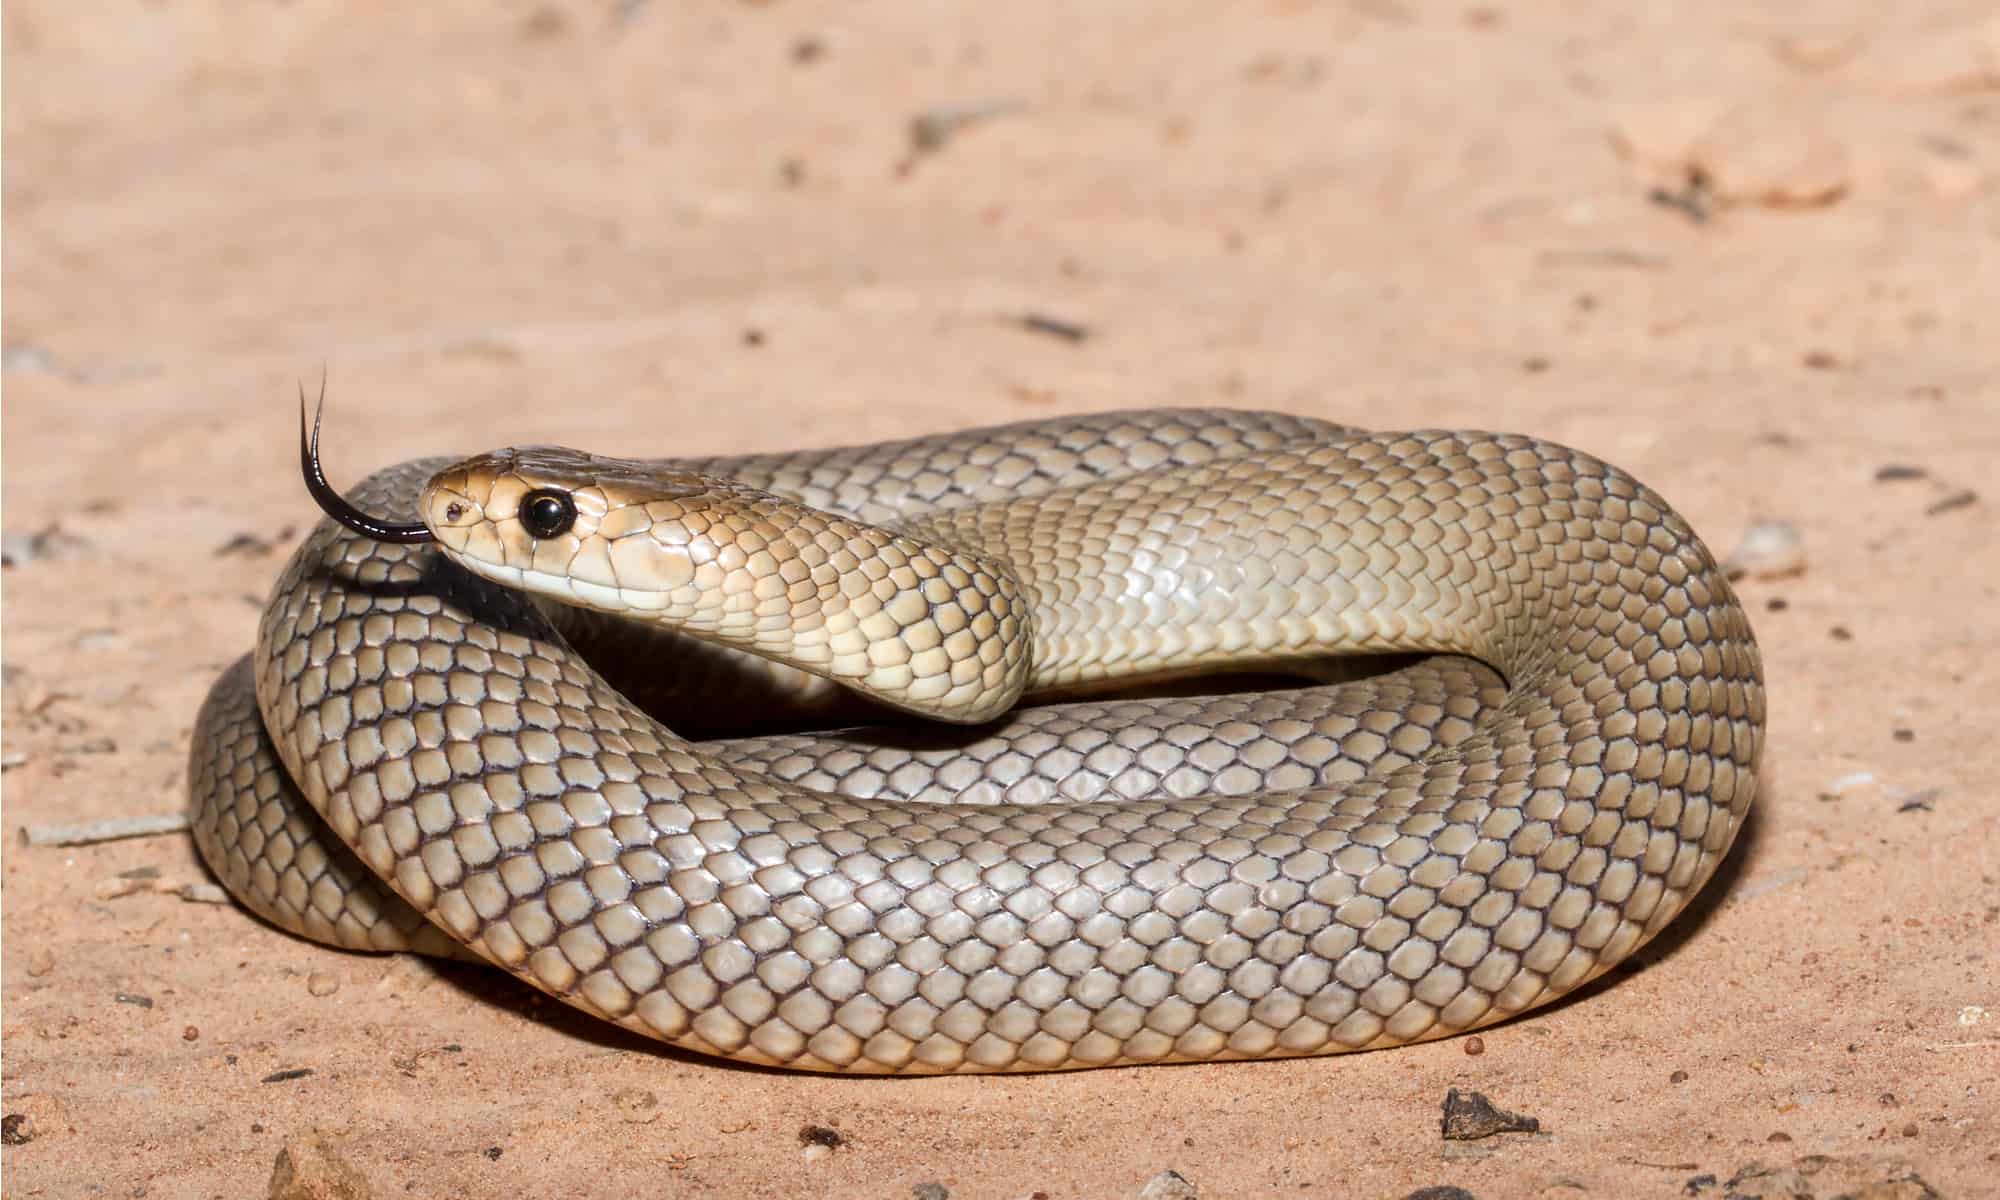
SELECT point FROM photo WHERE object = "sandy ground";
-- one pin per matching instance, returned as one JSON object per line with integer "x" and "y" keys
{"x": 1749, "y": 251}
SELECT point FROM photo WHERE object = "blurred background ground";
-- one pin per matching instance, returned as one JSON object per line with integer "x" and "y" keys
{"x": 1749, "y": 251}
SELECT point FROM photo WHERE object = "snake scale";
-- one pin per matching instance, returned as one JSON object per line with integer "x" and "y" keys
{"x": 419, "y": 754}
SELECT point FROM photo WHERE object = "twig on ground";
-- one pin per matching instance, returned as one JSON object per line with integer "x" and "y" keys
{"x": 151, "y": 825}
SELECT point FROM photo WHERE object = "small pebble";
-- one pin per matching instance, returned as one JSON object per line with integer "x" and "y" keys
{"x": 311, "y": 1169}
{"x": 1769, "y": 550}
{"x": 322, "y": 983}
{"x": 1475, "y": 1046}
{"x": 637, "y": 1105}
{"x": 1920, "y": 801}
{"x": 932, "y": 128}
{"x": 191, "y": 1034}
{"x": 1779, "y": 1136}
{"x": 815, "y": 1152}
{"x": 1678, "y": 1077}
{"x": 821, "y": 1135}
{"x": 1766, "y": 884}
{"x": 1910, "y": 1130}
{"x": 1959, "y": 499}
{"x": 1169, "y": 1185}
{"x": 41, "y": 961}
{"x": 1055, "y": 327}
{"x": 1470, "y": 1115}
{"x": 1776, "y": 154}
{"x": 15, "y": 1130}
{"x": 1896, "y": 472}
{"x": 135, "y": 999}
{"x": 1699, "y": 153}
{"x": 930, "y": 1190}
{"x": 1840, "y": 633}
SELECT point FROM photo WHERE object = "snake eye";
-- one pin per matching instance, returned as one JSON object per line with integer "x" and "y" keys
{"x": 547, "y": 513}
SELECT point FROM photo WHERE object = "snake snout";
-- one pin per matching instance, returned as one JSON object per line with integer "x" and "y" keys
{"x": 451, "y": 508}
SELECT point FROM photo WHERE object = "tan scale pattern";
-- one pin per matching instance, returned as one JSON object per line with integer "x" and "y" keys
{"x": 271, "y": 850}
{"x": 1228, "y": 745}
{"x": 444, "y": 728}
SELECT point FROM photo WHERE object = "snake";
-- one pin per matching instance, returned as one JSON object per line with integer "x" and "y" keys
{"x": 1166, "y": 735}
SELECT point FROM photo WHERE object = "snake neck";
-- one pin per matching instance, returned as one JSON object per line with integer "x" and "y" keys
{"x": 919, "y": 624}
{"x": 922, "y": 625}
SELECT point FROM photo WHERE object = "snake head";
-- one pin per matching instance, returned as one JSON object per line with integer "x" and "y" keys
{"x": 604, "y": 533}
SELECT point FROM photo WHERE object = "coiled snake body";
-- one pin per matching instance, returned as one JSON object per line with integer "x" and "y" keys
{"x": 419, "y": 755}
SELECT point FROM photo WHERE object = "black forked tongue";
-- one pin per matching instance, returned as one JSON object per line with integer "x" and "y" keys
{"x": 330, "y": 501}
